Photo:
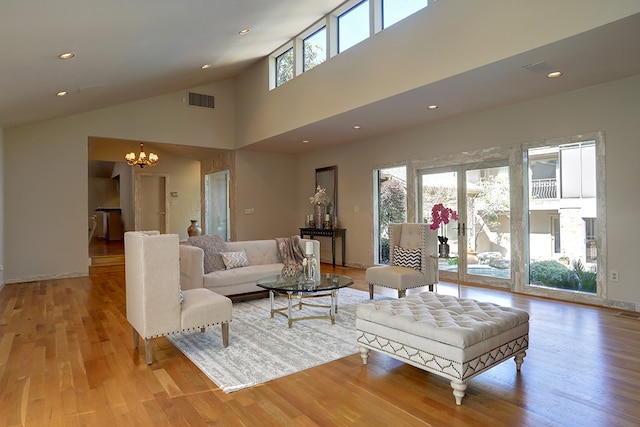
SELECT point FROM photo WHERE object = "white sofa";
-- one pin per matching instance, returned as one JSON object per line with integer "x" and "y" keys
{"x": 264, "y": 260}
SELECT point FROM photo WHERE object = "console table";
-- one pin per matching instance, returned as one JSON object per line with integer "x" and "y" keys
{"x": 333, "y": 233}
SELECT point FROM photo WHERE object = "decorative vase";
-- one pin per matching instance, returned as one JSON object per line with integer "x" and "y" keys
{"x": 318, "y": 215}
{"x": 290, "y": 271}
{"x": 443, "y": 250}
{"x": 194, "y": 229}
{"x": 309, "y": 268}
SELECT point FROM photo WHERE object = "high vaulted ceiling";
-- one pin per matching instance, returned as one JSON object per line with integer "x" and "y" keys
{"x": 128, "y": 50}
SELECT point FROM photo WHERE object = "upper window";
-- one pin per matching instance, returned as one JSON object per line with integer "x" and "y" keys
{"x": 347, "y": 25}
{"x": 314, "y": 49}
{"x": 284, "y": 67}
{"x": 396, "y": 10}
{"x": 353, "y": 26}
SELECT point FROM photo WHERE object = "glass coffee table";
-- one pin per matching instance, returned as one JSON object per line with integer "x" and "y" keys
{"x": 300, "y": 290}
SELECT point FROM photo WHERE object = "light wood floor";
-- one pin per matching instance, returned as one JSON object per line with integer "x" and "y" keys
{"x": 67, "y": 359}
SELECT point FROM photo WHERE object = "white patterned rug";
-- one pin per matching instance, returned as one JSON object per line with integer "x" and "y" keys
{"x": 262, "y": 349}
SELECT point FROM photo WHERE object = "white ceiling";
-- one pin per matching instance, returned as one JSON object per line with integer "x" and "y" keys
{"x": 128, "y": 50}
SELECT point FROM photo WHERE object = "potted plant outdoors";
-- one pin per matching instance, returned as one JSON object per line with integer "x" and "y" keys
{"x": 440, "y": 217}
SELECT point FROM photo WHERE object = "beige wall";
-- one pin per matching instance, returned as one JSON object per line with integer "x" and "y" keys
{"x": 466, "y": 35}
{"x": 47, "y": 210}
{"x": 268, "y": 184}
{"x": 612, "y": 108}
{"x": 44, "y": 214}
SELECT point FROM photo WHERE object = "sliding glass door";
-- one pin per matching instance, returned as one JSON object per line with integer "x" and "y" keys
{"x": 390, "y": 206}
{"x": 480, "y": 241}
{"x": 562, "y": 216}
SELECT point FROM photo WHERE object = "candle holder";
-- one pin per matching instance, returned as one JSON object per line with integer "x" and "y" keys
{"x": 309, "y": 268}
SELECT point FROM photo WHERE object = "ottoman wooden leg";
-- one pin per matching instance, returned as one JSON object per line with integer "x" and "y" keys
{"x": 364, "y": 353}
{"x": 519, "y": 359}
{"x": 458, "y": 391}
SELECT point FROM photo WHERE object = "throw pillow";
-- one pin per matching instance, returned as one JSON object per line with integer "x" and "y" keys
{"x": 235, "y": 259}
{"x": 410, "y": 258}
{"x": 212, "y": 246}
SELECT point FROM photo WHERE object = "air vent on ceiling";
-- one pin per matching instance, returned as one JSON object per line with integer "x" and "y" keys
{"x": 538, "y": 67}
{"x": 200, "y": 100}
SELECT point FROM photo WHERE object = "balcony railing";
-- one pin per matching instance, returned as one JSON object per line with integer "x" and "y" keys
{"x": 544, "y": 189}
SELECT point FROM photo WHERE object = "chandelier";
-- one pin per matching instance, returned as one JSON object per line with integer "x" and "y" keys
{"x": 142, "y": 160}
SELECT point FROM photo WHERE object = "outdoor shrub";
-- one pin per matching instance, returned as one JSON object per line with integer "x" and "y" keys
{"x": 548, "y": 273}
{"x": 384, "y": 250}
{"x": 556, "y": 275}
{"x": 587, "y": 278}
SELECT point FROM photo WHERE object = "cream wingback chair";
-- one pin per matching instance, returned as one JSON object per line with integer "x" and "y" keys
{"x": 155, "y": 304}
{"x": 412, "y": 263}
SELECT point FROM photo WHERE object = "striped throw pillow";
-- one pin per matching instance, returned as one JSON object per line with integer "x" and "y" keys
{"x": 235, "y": 259}
{"x": 410, "y": 258}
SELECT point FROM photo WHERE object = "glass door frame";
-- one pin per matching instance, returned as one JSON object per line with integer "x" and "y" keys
{"x": 600, "y": 223}
{"x": 462, "y": 275}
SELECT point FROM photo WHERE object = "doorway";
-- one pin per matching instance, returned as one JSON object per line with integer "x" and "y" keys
{"x": 480, "y": 241}
{"x": 390, "y": 206}
{"x": 217, "y": 204}
{"x": 151, "y": 202}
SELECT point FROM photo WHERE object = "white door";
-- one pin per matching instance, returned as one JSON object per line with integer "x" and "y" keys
{"x": 151, "y": 203}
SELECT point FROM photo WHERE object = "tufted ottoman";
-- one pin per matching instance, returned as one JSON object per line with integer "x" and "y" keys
{"x": 455, "y": 338}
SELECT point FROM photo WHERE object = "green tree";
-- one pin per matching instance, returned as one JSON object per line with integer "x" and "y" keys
{"x": 486, "y": 207}
{"x": 284, "y": 62}
{"x": 393, "y": 196}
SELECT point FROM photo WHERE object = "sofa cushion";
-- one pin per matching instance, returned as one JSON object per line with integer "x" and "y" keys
{"x": 409, "y": 258}
{"x": 258, "y": 251}
{"x": 235, "y": 276}
{"x": 211, "y": 246}
{"x": 235, "y": 259}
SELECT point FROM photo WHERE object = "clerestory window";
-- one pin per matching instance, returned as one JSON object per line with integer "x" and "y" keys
{"x": 353, "y": 26}
{"x": 284, "y": 67}
{"x": 396, "y": 10}
{"x": 314, "y": 49}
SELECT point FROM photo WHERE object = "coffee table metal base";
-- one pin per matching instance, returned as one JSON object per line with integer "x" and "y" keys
{"x": 288, "y": 310}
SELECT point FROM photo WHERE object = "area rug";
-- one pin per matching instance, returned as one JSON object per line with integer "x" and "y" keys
{"x": 262, "y": 349}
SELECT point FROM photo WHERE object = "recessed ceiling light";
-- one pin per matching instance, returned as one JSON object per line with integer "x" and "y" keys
{"x": 554, "y": 74}
{"x": 244, "y": 32}
{"x": 67, "y": 55}
{"x": 62, "y": 93}
{"x": 432, "y": 107}
{"x": 205, "y": 66}
{"x": 305, "y": 141}
{"x": 356, "y": 127}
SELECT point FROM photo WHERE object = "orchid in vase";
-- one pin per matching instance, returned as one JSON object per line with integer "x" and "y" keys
{"x": 320, "y": 198}
{"x": 440, "y": 216}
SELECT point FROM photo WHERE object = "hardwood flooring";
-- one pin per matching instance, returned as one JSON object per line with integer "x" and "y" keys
{"x": 67, "y": 359}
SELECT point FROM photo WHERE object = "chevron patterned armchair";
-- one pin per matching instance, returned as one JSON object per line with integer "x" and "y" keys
{"x": 412, "y": 263}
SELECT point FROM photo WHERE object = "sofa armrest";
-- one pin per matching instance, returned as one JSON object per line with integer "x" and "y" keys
{"x": 191, "y": 267}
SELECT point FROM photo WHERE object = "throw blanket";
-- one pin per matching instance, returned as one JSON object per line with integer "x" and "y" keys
{"x": 290, "y": 251}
